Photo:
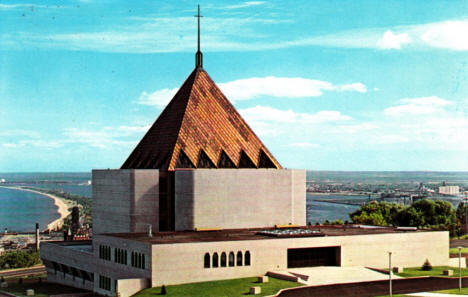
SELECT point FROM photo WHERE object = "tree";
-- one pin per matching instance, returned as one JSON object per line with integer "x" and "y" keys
{"x": 377, "y": 213}
{"x": 437, "y": 214}
{"x": 19, "y": 259}
{"x": 410, "y": 217}
{"x": 461, "y": 212}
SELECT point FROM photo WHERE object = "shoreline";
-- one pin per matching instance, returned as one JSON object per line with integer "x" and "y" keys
{"x": 59, "y": 202}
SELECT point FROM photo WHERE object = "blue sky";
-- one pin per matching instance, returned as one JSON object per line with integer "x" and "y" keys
{"x": 327, "y": 85}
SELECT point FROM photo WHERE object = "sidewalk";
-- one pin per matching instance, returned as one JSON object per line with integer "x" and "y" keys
{"x": 425, "y": 294}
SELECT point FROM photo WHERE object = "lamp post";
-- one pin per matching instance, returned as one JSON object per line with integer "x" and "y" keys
{"x": 459, "y": 270}
{"x": 390, "y": 272}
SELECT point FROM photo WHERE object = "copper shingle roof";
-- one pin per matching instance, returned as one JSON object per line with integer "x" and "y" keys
{"x": 200, "y": 128}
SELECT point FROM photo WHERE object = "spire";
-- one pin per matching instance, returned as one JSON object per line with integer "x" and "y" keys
{"x": 198, "y": 55}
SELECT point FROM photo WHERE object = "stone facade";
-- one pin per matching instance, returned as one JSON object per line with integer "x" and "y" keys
{"x": 184, "y": 262}
{"x": 125, "y": 200}
{"x": 238, "y": 198}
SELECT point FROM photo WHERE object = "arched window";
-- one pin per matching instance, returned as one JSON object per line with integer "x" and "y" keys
{"x": 223, "y": 259}
{"x": 239, "y": 258}
{"x": 207, "y": 261}
{"x": 231, "y": 259}
{"x": 215, "y": 260}
{"x": 247, "y": 258}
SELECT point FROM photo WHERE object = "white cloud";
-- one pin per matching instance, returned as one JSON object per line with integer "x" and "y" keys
{"x": 303, "y": 145}
{"x": 160, "y": 34}
{"x": 449, "y": 35}
{"x": 245, "y": 4}
{"x": 389, "y": 139}
{"x": 128, "y": 130}
{"x": 106, "y": 137}
{"x": 37, "y": 143}
{"x": 354, "y": 128}
{"x": 251, "y": 88}
{"x": 18, "y": 5}
{"x": 270, "y": 114}
{"x": 391, "y": 40}
{"x": 354, "y": 87}
{"x": 418, "y": 106}
{"x": 158, "y": 98}
{"x": 19, "y": 132}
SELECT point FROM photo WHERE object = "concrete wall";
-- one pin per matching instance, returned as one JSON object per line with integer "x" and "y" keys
{"x": 183, "y": 263}
{"x": 128, "y": 287}
{"x": 60, "y": 278}
{"x": 125, "y": 200}
{"x": 70, "y": 257}
{"x": 117, "y": 271}
{"x": 238, "y": 198}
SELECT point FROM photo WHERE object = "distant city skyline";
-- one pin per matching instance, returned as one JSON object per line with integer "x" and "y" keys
{"x": 326, "y": 85}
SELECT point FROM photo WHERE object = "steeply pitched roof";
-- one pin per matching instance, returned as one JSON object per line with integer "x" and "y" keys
{"x": 200, "y": 128}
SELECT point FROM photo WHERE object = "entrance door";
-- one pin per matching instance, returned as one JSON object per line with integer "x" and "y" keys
{"x": 309, "y": 257}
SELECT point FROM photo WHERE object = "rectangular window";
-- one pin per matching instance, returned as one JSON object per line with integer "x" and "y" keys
{"x": 105, "y": 252}
{"x": 104, "y": 283}
{"x": 120, "y": 256}
{"x": 138, "y": 260}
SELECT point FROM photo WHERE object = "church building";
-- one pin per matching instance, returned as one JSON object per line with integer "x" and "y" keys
{"x": 201, "y": 198}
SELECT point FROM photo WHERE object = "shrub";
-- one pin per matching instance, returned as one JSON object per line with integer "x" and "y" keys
{"x": 426, "y": 266}
{"x": 19, "y": 259}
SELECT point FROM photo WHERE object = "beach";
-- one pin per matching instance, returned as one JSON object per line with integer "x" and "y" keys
{"x": 62, "y": 204}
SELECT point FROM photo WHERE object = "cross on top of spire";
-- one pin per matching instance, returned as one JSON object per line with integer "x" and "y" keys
{"x": 198, "y": 55}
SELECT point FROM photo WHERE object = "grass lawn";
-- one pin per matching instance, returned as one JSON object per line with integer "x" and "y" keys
{"x": 464, "y": 291}
{"x": 234, "y": 287}
{"x": 454, "y": 251}
{"x": 436, "y": 271}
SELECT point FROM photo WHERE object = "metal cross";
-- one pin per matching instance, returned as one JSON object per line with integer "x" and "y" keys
{"x": 198, "y": 16}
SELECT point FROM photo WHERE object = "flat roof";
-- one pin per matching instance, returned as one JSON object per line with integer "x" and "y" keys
{"x": 78, "y": 245}
{"x": 254, "y": 234}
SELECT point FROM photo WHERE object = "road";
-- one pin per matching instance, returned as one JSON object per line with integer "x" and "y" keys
{"x": 24, "y": 272}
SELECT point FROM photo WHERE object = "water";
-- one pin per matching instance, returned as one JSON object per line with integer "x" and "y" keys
{"x": 20, "y": 210}
{"x": 69, "y": 182}
{"x": 317, "y": 211}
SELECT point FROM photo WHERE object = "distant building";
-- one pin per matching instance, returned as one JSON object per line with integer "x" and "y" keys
{"x": 221, "y": 206}
{"x": 449, "y": 190}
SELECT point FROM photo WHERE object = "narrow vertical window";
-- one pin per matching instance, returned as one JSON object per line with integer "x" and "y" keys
{"x": 247, "y": 259}
{"x": 239, "y": 258}
{"x": 207, "y": 261}
{"x": 215, "y": 260}
{"x": 223, "y": 259}
{"x": 231, "y": 259}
